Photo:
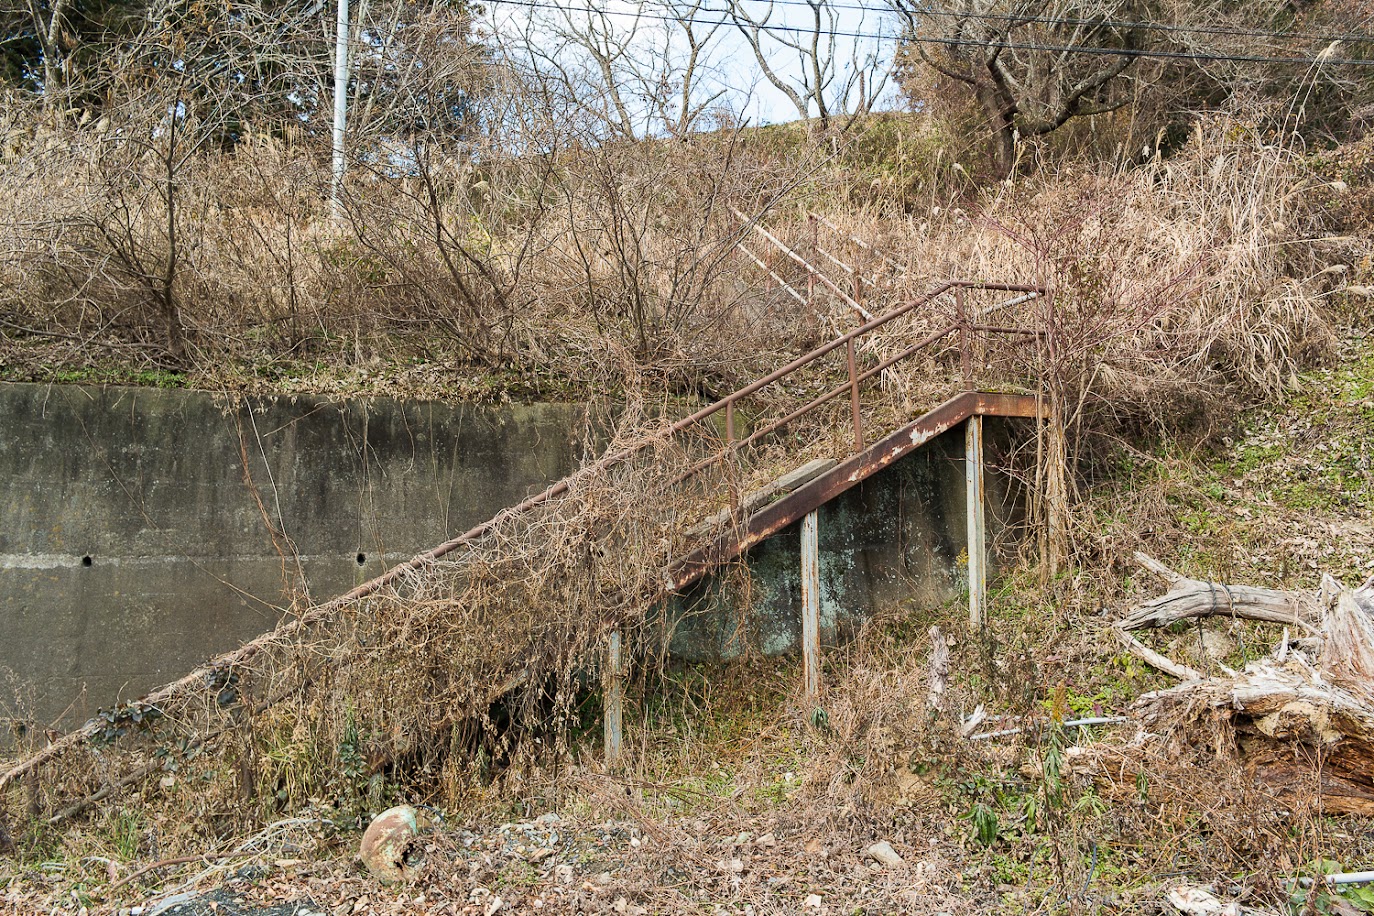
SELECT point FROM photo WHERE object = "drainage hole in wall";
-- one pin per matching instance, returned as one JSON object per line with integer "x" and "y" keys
{"x": 362, "y": 558}
{"x": 86, "y": 560}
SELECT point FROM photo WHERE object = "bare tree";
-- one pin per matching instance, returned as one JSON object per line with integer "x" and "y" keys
{"x": 47, "y": 27}
{"x": 1031, "y": 66}
{"x": 680, "y": 110}
{"x": 649, "y": 71}
{"x": 824, "y": 66}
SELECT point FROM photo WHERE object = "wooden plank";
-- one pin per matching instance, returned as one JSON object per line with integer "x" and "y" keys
{"x": 977, "y": 531}
{"x": 811, "y": 604}
{"x": 614, "y": 697}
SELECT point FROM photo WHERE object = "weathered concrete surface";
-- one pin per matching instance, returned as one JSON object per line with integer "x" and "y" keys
{"x": 133, "y": 545}
{"x": 898, "y": 536}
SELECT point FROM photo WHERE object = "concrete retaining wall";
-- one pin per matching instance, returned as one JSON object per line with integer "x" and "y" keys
{"x": 132, "y": 545}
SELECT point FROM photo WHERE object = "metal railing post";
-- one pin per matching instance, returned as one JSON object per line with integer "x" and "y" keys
{"x": 977, "y": 532}
{"x": 965, "y": 357}
{"x": 854, "y": 397}
{"x": 811, "y": 271}
{"x": 811, "y": 604}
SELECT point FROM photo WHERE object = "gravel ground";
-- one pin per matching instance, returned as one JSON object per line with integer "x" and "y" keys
{"x": 550, "y": 864}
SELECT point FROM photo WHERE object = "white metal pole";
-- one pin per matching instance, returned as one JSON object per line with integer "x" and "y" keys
{"x": 340, "y": 108}
{"x": 977, "y": 539}
{"x": 811, "y": 603}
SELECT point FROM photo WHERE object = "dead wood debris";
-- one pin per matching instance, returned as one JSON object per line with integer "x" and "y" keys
{"x": 1303, "y": 713}
{"x": 1195, "y": 598}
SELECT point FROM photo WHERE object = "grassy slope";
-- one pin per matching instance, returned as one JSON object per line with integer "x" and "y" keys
{"x": 1286, "y": 497}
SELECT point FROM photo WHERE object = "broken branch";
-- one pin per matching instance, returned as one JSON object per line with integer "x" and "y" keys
{"x": 1194, "y": 598}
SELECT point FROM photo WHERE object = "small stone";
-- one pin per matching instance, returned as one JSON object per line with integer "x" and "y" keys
{"x": 546, "y": 819}
{"x": 766, "y": 839}
{"x": 813, "y": 901}
{"x": 883, "y": 853}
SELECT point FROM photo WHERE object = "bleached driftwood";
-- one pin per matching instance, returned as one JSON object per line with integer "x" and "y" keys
{"x": 1191, "y": 598}
{"x": 1320, "y": 696}
{"x": 1154, "y": 659}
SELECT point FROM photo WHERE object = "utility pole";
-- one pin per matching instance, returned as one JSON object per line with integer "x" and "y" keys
{"x": 340, "y": 109}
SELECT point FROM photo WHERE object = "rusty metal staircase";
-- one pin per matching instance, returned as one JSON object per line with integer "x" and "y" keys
{"x": 816, "y": 483}
{"x": 795, "y": 496}
{"x": 865, "y": 461}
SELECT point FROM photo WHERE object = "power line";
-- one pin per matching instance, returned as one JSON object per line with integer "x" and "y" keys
{"x": 956, "y": 42}
{"x": 1071, "y": 20}
{"x": 1128, "y": 52}
{"x": 1017, "y": 20}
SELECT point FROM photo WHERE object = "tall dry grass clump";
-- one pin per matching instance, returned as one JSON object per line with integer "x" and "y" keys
{"x": 1180, "y": 291}
{"x": 1203, "y": 277}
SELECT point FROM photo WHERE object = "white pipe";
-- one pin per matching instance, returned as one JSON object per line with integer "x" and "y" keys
{"x": 779, "y": 280}
{"x": 1072, "y": 723}
{"x": 997, "y": 307}
{"x": 340, "y": 108}
{"x": 1349, "y": 877}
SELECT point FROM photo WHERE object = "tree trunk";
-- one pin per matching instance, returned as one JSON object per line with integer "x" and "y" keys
{"x": 1001, "y": 129}
{"x": 1189, "y": 598}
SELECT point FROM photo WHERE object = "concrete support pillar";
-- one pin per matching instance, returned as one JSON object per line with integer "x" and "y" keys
{"x": 977, "y": 532}
{"x": 811, "y": 603}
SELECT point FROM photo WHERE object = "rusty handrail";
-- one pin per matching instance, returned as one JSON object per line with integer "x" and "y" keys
{"x": 727, "y": 402}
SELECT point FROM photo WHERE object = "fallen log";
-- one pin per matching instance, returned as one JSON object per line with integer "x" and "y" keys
{"x": 1194, "y": 598}
{"x": 1320, "y": 698}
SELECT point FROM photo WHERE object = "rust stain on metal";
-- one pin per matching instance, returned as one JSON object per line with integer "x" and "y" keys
{"x": 774, "y": 518}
